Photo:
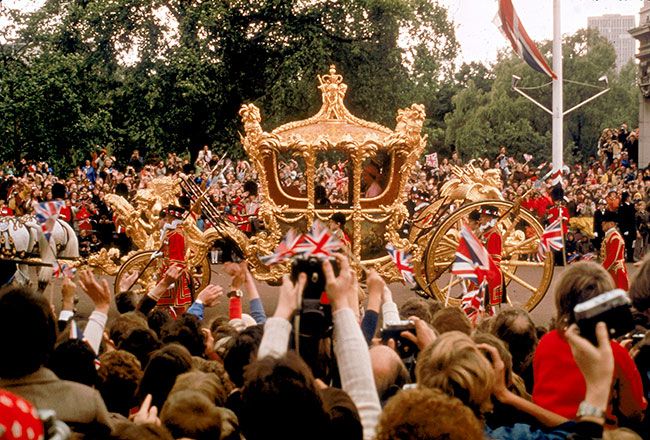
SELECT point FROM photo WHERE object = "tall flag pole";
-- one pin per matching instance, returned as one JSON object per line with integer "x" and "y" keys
{"x": 525, "y": 48}
{"x": 558, "y": 105}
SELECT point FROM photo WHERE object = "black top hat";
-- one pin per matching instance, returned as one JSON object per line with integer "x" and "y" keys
{"x": 489, "y": 210}
{"x": 610, "y": 216}
{"x": 175, "y": 211}
{"x": 339, "y": 218}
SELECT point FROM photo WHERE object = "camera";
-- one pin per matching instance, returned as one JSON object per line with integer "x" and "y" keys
{"x": 613, "y": 308}
{"x": 315, "y": 310}
{"x": 405, "y": 348}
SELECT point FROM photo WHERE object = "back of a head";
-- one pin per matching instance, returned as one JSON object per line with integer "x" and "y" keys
{"x": 417, "y": 307}
{"x": 126, "y": 302}
{"x": 27, "y": 332}
{"x": 279, "y": 400}
{"x": 426, "y": 414}
{"x": 157, "y": 319}
{"x": 119, "y": 374}
{"x": 186, "y": 330}
{"x": 190, "y": 414}
{"x": 451, "y": 319}
{"x": 580, "y": 282}
{"x": 74, "y": 360}
{"x": 502, "y": 348}
{"x": 389, "y": 371}
{"x": 140, "y": 342}
{"x": 123, "y": 324}
{"x": 241, "y": 353}
{"x": 517, "y": 330}
{"x": 640, "y": 288}
{"x": 205, "y": 383}
{"x": 164, "y": 366}
{"x": 454, "y": 365}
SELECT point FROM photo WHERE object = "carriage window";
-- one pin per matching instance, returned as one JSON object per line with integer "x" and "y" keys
{"x": 333, "y": 180}
{"x": 375, "y": 175}
{"x": 291, "y": 174}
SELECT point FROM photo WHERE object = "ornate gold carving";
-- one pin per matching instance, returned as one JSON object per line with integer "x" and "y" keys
{"x": 332, "y": 128}
{"x": 473, "y": 184}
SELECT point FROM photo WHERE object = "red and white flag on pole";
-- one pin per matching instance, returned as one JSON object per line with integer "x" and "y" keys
{"x": 521, "y": 43}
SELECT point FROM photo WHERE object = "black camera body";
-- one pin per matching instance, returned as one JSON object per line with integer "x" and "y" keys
{"x": 613, "y": 308}
{"x": 315, "y": 310}
{"x": 405, "y": 348}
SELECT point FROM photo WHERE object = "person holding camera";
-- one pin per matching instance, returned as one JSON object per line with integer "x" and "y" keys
{"x": 350, "y": 347}
{"x": 558, "y": 382}
{"x": 612, "y": 252}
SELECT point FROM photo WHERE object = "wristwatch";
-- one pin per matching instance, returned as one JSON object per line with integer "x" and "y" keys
{"x": 238, "y": 293}
{"x": 586, "y": 409}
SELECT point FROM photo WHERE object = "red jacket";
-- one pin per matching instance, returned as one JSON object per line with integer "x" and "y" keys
{"x": 612, "y": 252}
{"x": 560, "y": 386}
{"x": 553, "y": 214}
{"x": 180, "y": 296}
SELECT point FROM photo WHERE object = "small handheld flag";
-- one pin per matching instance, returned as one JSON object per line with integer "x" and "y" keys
{"x": 551, "y": 239}
{"x": 46, "y": 214}
{"x": 404, "y": 262}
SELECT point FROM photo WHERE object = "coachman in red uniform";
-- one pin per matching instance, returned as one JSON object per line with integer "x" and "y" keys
{"x": 178, "y": 297}
{"x": 493, "y": 243}
{"x": 612, "y": 252}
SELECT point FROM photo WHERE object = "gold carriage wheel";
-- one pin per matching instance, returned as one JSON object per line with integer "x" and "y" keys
{"x": 137, "y": 263}
{"x": 527, "y": 279}
{"x": 201, "y": 274}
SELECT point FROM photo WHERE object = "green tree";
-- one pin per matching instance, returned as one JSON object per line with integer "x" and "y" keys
{"x": 163, "y": 75}
{"x": 478, "y": 125}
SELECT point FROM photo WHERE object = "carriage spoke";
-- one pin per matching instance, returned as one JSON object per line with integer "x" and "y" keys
{"x": 522, "y": 263}
{"x": 514, "y": 277}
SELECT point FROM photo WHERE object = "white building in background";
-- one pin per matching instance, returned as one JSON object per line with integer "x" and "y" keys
{"x": 615, "y": 28}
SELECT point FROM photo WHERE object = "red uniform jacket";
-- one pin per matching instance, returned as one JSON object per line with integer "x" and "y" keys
{"x": 6, "y": 211}
{"x": 494, "y": 245}
{"x": 553, "y": 214}
{"x": 179, "y": 296}
{"x": 612, "y": 252}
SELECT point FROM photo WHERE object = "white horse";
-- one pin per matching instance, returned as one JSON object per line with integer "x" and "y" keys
{"x": 21, "y": 234}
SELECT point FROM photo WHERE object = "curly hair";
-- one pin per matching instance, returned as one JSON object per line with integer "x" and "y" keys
{"x": 119, "y": 375}
{"x": 454, "y": 365}
{"x": 424, "y": 413}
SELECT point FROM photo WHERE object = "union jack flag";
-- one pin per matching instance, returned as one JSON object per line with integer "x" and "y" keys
{"x": 46, "y": 214}
{"x": 521, "y": 43}
{"x": 432, "y": 160}
{"x": 285, "y": 249}
{"x": 64, "y": 270}
{"x": 551, "y": 239}
{"x": 470, "y": 256}
{"x": 473, "y": 303}
{"x": 404, "y": 262}
{"x": 319, "y": 242}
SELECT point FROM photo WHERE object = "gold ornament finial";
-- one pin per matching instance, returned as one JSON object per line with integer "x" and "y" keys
{"x": 333, "y": 89}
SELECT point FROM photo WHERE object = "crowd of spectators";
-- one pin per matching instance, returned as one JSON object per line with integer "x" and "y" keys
{"x": 146, "y": 375}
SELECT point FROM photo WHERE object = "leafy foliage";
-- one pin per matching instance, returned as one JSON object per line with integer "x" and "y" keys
{"x": 163, "y": 75}
{"x": 488, "y": 115}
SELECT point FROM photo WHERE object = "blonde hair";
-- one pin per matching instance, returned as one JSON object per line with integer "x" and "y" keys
{"x": 426, "y": 413}
{"x": 454, "y": 365}
{"x": 580, "y": 282}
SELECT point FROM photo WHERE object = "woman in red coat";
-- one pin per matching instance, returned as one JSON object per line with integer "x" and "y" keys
{"x": 558, "y": 384}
